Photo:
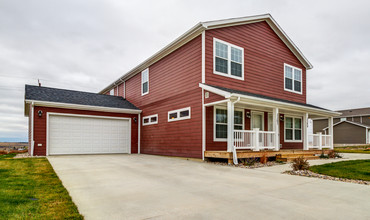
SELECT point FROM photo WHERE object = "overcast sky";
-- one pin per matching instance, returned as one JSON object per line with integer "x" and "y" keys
{"x": 85, "y": 45}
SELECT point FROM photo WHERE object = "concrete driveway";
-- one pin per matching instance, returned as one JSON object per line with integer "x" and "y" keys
{"x": 154, "y": 187}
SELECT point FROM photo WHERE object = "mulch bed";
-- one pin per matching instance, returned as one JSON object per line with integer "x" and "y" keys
{"x": 256, "y": 165}
{"x": 308, "y": 173}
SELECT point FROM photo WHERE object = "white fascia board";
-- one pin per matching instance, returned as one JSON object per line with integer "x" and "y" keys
{"x": 83, "y": 107}
{"x": 199, "y": 28}
{"x": 215, "y": 90}
{"x": 265, "y": 102}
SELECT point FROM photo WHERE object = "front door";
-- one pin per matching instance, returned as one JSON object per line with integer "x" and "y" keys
{"x": 257, "y": 120}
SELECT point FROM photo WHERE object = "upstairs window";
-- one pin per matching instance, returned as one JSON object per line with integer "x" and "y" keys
{"x": 179, "y": 114}
{"x": 292, "y": 79}
{"x": 145, "y": 82}
{"x": 111, "y": 92}
{"x": 228, "y": 59}
{"x": 150, "y": 120}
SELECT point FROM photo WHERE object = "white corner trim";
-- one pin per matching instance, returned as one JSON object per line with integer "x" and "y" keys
{"x": 203, "y": 126}
{"x": 178, "y": 118}
{"x": 124, "y": 89}
{"x": 228, "y": 74}
{"x": 150, "y": 118}
{"x": 32, "y": 144}
{"x": 203, "y": 57}
{"x": 82, "y": 107}
{"x": 138, "y": 135}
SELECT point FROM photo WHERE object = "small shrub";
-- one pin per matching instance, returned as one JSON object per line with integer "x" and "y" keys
{"x": 300, "y": 164}
{"x": 323, "y": 156}
{"x": 334, "y": 154}
{"x": 249, "y": 161}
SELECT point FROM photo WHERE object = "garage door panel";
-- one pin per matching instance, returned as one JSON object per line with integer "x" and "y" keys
{"x": 88, "y": 135}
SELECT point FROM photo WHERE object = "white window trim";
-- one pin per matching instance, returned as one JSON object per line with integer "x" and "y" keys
{"x": 292, "y": 90}
{"x": 214, "y": 122}
{"x": 150, "y": 117}
{"x": 178, "y": 114}
{"x": 228, "y": 74}
{"x": 293, "y": 117}
{"x": 263, "y": 119}
{"x": 142, "y": 93}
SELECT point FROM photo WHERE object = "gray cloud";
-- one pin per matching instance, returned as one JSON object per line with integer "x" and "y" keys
{"x": 85, "y": 45}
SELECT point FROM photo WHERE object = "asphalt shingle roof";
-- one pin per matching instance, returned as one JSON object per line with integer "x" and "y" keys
{"x": 265, "y": 97}
{"x": 47, "y": 94}
{"x": 356, "y": 111}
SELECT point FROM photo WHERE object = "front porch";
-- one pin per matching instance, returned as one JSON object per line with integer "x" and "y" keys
{"x": 261, "y": 127}
{"x": 283, "y": 155}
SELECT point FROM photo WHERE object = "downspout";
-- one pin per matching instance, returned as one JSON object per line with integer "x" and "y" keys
{"x": 235, "y": 157}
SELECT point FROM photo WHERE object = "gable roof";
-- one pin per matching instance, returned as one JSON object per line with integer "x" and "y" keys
{"x": 351, "y": 122}
{"x": 355, "y": 112}
{"x": 202, "y": 26}
{"x": 71, "y": 97}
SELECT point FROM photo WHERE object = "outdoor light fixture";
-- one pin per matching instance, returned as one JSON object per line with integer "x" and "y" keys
{"x": 248, "y": 115}
{"x": 281, "y": 117}
{"x": 40, "y": 113}
{"x": 135, "y": 120}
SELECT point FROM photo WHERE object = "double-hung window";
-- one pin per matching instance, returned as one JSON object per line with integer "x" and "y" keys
{"x": 220, "y": 123}
{"x": 145, "y": 82}
{"x": 293, "y": 129}
{"x": 228, "y": 59}
{"x": 292, "y": 79}
{"x": 150, "y": 120}
{"x": 179, "y": 114}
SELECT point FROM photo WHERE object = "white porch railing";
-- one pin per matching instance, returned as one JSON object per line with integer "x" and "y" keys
{"x": 319, "y": 141}
{"x": 254, "y": 140}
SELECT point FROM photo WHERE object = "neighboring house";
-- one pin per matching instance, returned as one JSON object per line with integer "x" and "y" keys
{"x": 352, "y": 127}
{"x": 245, "y": 69}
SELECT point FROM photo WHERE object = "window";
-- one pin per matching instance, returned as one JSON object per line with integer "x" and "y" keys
{"x": 111, "y": 92}
{"x": 293, "y": 129}
{"x": 292, "y": 79}
{"x": 179, "y": 114}
{"x": 220, "y": 123}
{"x": 145, "y": 82}
{"x": 228, "y": 59}
{"x": 343, "y": 119}
{"x": 150, "y": 120}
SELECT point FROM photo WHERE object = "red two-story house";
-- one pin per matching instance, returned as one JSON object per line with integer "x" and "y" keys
{"x": 180, "y": 100}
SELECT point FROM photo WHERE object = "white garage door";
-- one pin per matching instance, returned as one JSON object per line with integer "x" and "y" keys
{"x": 69, "y": 134}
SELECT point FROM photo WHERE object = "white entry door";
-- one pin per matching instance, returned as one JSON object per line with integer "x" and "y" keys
{"x": 79, "y": 134}
{"x": 257, "y": 120}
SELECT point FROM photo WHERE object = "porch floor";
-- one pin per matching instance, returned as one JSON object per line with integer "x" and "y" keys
{"x": 285, "y": 154}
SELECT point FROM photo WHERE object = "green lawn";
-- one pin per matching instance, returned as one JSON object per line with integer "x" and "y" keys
{"x": 30, "y": 189}
{"x": 352, "y": 169}
{"x": 358, "y": 151}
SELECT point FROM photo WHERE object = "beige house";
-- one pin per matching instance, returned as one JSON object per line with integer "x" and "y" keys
{"x": 352, "y": 127}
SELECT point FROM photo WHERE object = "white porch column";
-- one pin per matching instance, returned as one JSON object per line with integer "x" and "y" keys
{"x": 305, "y": 131}
{"x": 256, "y": 141}
{"x": 331, "y": 132}
{"x": 320, "y": 140}
{"x": 230, "y": 126}
{"x": 275, "y": 128}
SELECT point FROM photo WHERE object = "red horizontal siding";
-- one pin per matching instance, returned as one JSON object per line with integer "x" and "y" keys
{"x": 40, "y": 126}
{"x": 173, "y": 84}
{"x": 264, "y": 58}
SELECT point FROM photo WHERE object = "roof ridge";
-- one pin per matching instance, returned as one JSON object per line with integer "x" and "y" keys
{"x": 46, "y": 87}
